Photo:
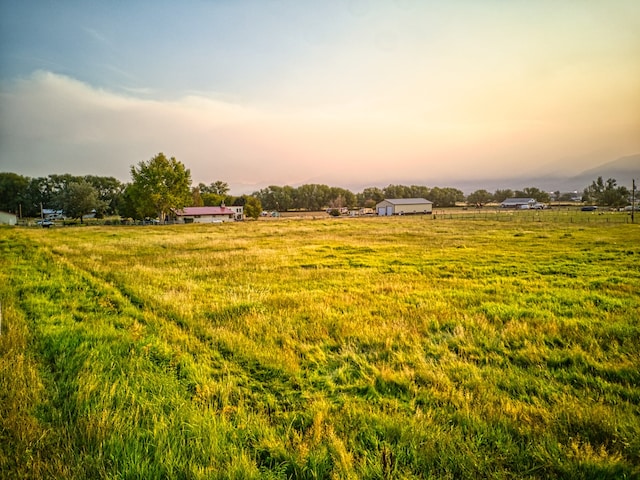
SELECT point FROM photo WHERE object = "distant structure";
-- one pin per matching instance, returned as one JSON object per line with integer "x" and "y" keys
{"x": 519, "y": 203}
{"x": 205, "y": 214}
{"x": 403, "y": 206}
{"x": 7, "y": 218}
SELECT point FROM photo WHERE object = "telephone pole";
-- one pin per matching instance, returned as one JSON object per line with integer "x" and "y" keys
{"x": 633, "y": 199}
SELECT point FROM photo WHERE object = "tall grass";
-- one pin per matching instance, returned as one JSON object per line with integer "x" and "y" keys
{"x": 362, "y": 348}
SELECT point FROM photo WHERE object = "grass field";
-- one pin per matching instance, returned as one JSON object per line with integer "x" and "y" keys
{"x": 373, "y": 348}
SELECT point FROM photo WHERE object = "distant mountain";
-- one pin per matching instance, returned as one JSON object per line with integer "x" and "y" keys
{"x": 622, "y": 169}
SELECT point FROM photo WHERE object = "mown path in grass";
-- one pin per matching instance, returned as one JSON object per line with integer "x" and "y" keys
{"x": 365, "y": 348}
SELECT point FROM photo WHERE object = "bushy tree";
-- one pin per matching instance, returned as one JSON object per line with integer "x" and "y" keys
{"x": 13, "y": 190}
{"x": 396, "y": 191}
{"x": 109, "y": 191}
{"x": 252, "y": 206}
{"x": 196, "y": 197}
{"x": 606, "y": 193}
{"x": 277, "y": 198}
{"x": 446, "y": 196}
{"x": 218, "y": 187}
{"x": 533, "y": 192}
{"x": 501, "y": 195}
{"x": 369, "y": 197}
{"x": 160, "y": 185}
{"x": 78, "y": 199}
{"x": 340, "y": 197}
{"x": 479, "y": 198}
{"x": 312, "y": 197}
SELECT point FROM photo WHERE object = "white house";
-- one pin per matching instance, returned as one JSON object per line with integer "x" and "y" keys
{"x": 238, "y": 211}
{"x": 403, "y": 206}
{"x": 520, "y": 203}
{"x": 204, "y": 215}
{"x": 7, "y": 218}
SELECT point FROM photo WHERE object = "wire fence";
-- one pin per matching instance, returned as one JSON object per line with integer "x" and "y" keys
{"x": 528, "y": 216}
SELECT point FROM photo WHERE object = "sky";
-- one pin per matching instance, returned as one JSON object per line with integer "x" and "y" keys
{"x": 349, "y": 93}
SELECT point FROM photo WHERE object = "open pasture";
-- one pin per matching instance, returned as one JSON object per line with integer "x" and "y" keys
{"x": 371, "y": 348}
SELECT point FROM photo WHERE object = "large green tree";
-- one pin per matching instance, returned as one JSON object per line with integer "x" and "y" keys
{"x": 160, "y": 185}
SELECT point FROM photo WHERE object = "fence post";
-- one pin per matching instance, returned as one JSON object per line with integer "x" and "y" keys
{"x": 0, "y": 318}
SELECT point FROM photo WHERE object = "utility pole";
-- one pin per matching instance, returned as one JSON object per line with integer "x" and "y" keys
{"x": 633, "y": 199}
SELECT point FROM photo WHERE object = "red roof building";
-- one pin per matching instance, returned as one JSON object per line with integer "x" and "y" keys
{"x": 204, "y": 215}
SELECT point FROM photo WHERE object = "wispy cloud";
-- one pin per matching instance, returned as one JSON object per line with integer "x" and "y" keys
{"x": 97, "y": 36}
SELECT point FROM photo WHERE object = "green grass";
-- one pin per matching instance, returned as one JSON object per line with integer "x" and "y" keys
{"x": 336, "y": 348}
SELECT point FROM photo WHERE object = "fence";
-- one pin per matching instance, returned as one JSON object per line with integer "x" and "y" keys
{"x": 528, "y": 216}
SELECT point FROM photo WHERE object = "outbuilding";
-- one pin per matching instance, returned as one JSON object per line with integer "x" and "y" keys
{"x": 204, "y": 215}
{"x": 403, "y": 206}
{"x": 7, "y": 218}
{"x": 519, "y": 203}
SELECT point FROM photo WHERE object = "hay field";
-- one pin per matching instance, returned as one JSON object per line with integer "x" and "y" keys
{"x": 371, "y": 348}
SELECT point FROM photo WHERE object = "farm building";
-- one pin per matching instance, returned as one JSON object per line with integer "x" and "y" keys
{"x": 403, "y": 206}
{"x": 238, "y": 211}
{"x": 8, "y": 218}
{"x": 204, "y": 215}
{"x": 519, "y": 203}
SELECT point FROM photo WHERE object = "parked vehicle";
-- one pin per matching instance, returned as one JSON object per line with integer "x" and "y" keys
{"x": 589, "y": 208}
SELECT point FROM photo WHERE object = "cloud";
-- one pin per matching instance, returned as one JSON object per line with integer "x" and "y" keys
{"x": 51, "y": 123}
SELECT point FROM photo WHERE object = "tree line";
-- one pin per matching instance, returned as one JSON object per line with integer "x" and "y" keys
{"x": 163, "y": 184}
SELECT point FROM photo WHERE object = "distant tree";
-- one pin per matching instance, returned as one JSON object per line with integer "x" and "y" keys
{"x": 312, "y": 197}
{"x": 606, "y": 193}
{"x": 218, "y": 187}
{"x": 252, "y": 207}
{"x": 479, "y": 198}
{"x": 396, "y": 191}
{"x": 565, "y": 197}
{"x": 196, "y": 197}
{"x": 160, "y": 185}
{"x": 501, "y": 195}
{"x": 109, "y": 190}
{"x": 445, "y": 197}
{"x": 419, "y": 191}
{"x": 13, "y": 192}
{"x": 127, "y": 207}
{"x": 212, "y": 199}
{"x": 533, "y": 192}
{"x": 78, "y": 199}
{"x": 341, "y": 196}
{"x": 369, "y": 197}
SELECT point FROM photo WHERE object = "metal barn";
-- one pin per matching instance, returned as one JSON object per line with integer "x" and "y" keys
{"x": 403, "y": 206}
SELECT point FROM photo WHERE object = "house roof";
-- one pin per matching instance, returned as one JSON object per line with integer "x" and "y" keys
{"x": 519, "y": 201}
{"x": 406, "y": 201}
{"x": 189, "y": 211}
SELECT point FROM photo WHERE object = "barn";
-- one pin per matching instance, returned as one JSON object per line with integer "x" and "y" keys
{"x": 403, "y": 206}
{"x": 204, "y": 215}
{"x": 519, "y": 203}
